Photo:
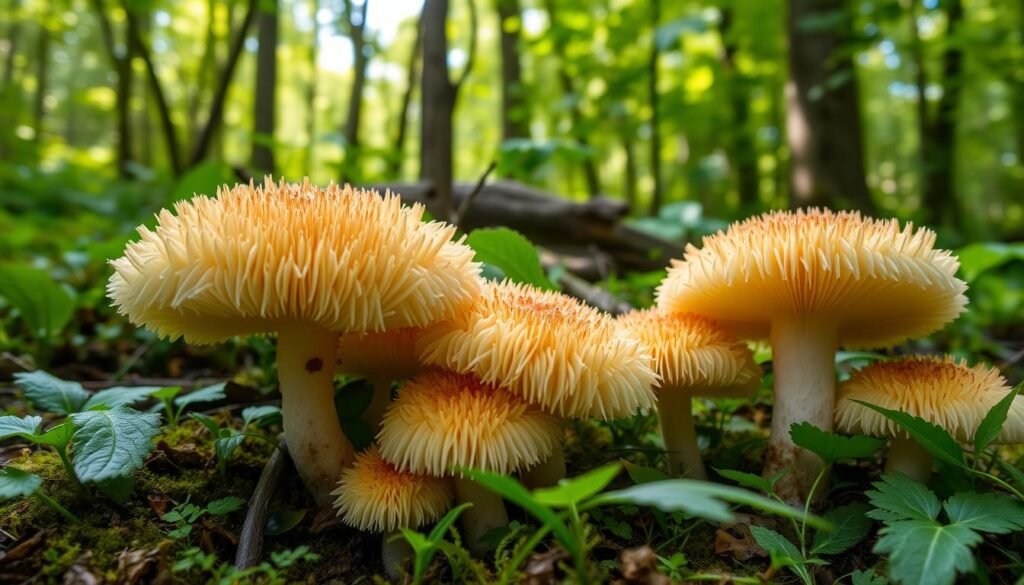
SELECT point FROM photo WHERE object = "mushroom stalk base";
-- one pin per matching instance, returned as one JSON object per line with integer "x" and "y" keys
{"x": 675, "y": 415}
{"x": 380, "y": 401}
{"x": 395, "y": 551}
{"x": 908, "y": 457}
{"x": 546, "y": 473}
{"x": 305, "y": 365}
{"x": 804, "y": 353}
{"x": 487, "y": 513}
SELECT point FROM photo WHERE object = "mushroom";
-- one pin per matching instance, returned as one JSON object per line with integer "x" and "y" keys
{"x": 443, "y": 420}
{"x": 942, "y": 391}
{"x": 694, "y": 356}
{"x": 307, "y": 263}
{"x": 550, "y": 350}
{"x": 374, "y": 496}
{"x": 811, "y": 281}
{"x": 379, "y": 358}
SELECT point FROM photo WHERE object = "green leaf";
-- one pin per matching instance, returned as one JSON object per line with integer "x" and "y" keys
{"x": 987, "y": 512}
{"x": 208, "y": 422}
{"x": 58, "y": 436}
{"x": 868, "y": 577}
{"x": 783, "y": 552}
{"x": 352, "y": 400}
{"x": 641, "y": 474}
{"x": 112, "y": 443}
{"x": 992, "y": 424}
{"x": 45, "y": 306}
{"x": 50, "y": 393}
{"x": 14, "y": 426}
{"x": 832, "y": 447}
{"x": 255, "y": 413}
{"x": 851, "y": 524}
{"x": 167, "y": 393}
{"x": 511, "y": 252}
{"x": 225, "y": 446}
{"x": 979, "y": 257}
{"x": 924, "y": 552}
{"x": 897, "y": 497}
{"x": 203, "y": 179}
{"x": 442, "y": 525}
{"x": 281, "y": 521}
{"x": 207, "y": 394}
{"x": 747, "y": 480}
{"x": 932, "y": 437}
{"x": 225, "y": 505}
{"x": 16, "y": 483}
{"x": 572, "y": 491}
{"x": 119, "y": 396}
{"x": 118, "y": 489}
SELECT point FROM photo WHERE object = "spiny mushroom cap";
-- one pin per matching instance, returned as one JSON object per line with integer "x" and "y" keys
{"x": 942, "y": 391}
{"x": 254, "y": 258}
{"x": 375, "y": 497}
{"x": 695, "y": 354}
{"x": 547, "y": 348}
{"x": 442, "y": 419}
{"x": 878, "y": 283}
{"x": 391, "y": 353}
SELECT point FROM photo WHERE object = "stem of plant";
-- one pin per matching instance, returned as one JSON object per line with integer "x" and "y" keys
{"x": 62, "y": 452}
{"x": 580, "y": 560}
{"x": 807, "y": 509}
{"x": 508, "y": 574}
{"x": 60, "y": 509}
{"x": 1000, "y": 483}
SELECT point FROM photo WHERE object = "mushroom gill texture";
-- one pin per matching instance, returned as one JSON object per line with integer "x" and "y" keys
{"x": 692, "y": 351}
{"x": 943, "y": 391}
{"x": 390, "y": 353}
{"x": 375, "y": 496}
{"x": 547, "y": 348}
{"x": 443, "y": 419}
{"x": 253, "y": 257}
{"x": 881, "y": 284}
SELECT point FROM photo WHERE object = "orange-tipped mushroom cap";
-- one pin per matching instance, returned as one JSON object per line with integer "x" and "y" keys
{"x": 695, "y": 354}
{"x": 390, "y": 354}
{"x": 942, "y": 391}
{"x": 253, "y": 258}
{"x": 443, "y": 419}
{"x": 375, "y": 497}
{"x": 547, "y": 348}
{"x": 879, "y": 283}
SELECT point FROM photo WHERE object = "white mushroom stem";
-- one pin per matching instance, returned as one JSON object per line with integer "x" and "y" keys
{"x": 675, "y": 415}
{"x": 379, "y": 403}
{"x": 546, "y": 473}
{"x": 319, "y": 448}
{"x": 907, "y": 456}
{"x": 803, "y": 360}
{"x": 395, "y": 551}
{"x": 487, "y": 513}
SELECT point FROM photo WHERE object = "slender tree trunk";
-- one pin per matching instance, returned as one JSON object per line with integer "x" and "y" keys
{"x": 265, "y": 105}
{"x": 514, "y": 115}
{"x": 207, "y": 68}
{"x": 1018, "y": 90}
{"x": 741, "y": 143}
{"x": 398, "y": 150}
{"x": 652, "y": 97}
{"x": 631, "y": 172}
{"x": 42, "y": 78}
{"x": 156, "y": 90}
{"x": 438, "y": 107}
{"x": 939, "y": 142}
{"x": 824, "y": 121}
{"x": 311, "y": 91}
{"x": 121, "y": 60}
{"x": 357, "y": 30}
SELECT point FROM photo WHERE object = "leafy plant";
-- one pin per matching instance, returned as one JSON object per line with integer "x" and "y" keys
{"x": 511, "y": 253}
{"x": 227, "y": 439}
{"x": 186, "y": 514}
{"x": 45, "y": 306}
{"x": 174, "y": 405}
{"x": 424, "y": 547}
{"x": 51, "y": 394}
{"x": 195, "y": 561}
{"x": 18, "y": 483}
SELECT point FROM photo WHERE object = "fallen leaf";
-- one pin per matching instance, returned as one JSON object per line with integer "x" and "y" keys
{"x": 639, "y": 566}
{"x": 24, "y": 548}
{"x": 80, "y": 573}
{"x": 158, "y": 503}
{"x": 540, "y": 567}
{"x": 739, "y": 542}
{"x": 137, "y": 566}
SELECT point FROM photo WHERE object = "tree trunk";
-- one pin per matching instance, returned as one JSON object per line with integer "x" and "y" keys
{"x": 264, "y": 113}
{"x": 357, "y": 30}
{"x": 207, "y": 68}
{"x": 823, "y": 123}
{"x": 741, "y": 143}
{"x": 652, "y": 97}
{"x": 42, "y": 75}
{"x": 938, "y": 145}
{"x": 514, "y": 115}
{"x": 163, "y": 109}
{"x": 438, "y": 107}
{"x": 631, "y": 172}
{"x": 121, "y": 60}
{"x": 311, "y": 90}
{"x": 398, "y": 150}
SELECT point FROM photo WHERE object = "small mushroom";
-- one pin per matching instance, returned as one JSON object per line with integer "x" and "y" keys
{"x": 380, "y": 358}
{"x": 811, "y": 281}
{"x": 942, "y": 391}
{"x": 694, "y": 357}
{"x": 306, "y": 263}
{"x": 442, "y": 420}
{"x": 374, "y": 496}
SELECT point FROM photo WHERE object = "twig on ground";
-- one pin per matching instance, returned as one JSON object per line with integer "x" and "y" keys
{"x": 467, "y": 203}
{"x": 250, "y": 541}
{"x": 592, "y": 295}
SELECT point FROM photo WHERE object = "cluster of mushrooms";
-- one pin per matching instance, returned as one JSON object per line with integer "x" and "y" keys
{"x": 350, "y": 281}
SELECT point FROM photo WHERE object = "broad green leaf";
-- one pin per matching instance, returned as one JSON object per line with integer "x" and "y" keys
{"x": 981, "y": 256}
{"x": 987, "y": 512}
{"x": 783, "y": 552}
{"x": 112, "y": 443}
{"x": 207, "y": 394}
{"x": 167, "y": 393}
{"x": 45, "y": 306}
{"x": 50, "y": 393}
{"x": 572, "y": 491}
{"x": 255, "y": 413}
{"x": 832, "y": 447}
{"x": 225, "y": 505}
{"x": 225, "y": 446}
{"x": 16, "y": 426}
{"x": 642, "y": 474}
{"x": 851, "y": 524}
{"x": 898, "y": 497}
{"x": 511, "y": 252}
{"x": 747, "y": 480}
{"x": 924, "y": 552}
{"x": 417, "y": 541}
{"x": 932, "y": 437}
{"x": 992, "y": 424}
{"x": 119, "y": 396}
{"x": 58, "y": 436}
{"x": 16, "y": 483}
{"x": 281, "y": 521}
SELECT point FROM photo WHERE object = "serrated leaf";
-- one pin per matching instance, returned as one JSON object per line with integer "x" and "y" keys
{"x": 851, "y": 524}
{"x": 16, "y": 426}
{"x": 207, "y": 394}
{"x": 511, "y": 252}
{"x": 924, "y": 552}
{"x": 932, "y": 437}
{"x": 112, "y": 443}
{"x": 992, "y": 424}
{"x": 783, "y": 552}
{"x": 898, "y": 497}
{"x": 986, "y": 512}
{"x": 747, "y": 480}
{"x": 868, "y": 577}
{"x": 832, "y": 447}
{"x": 45, "y": 306}
{"x": 119, "y": 396}
{"x": 225, "y": 505}
{"x": 50, "y": 393}
{"x": 572, "y": 491}
{"x": 17, "y": 483}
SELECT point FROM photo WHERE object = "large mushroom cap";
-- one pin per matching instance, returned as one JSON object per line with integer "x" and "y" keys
{"x": 880, "y": 284}
{"x": 253, "y": 258}
{"x": 375, "y": 497}
{"x": 391, "y": 353}
{"x": 443, "y": 419}
{"x": 547, "y": 348}
{"x": 695, "y": 353}
{"x": 942, "y": 391}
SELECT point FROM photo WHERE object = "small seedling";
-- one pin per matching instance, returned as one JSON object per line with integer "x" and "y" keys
{"x": 174, "y": 405}
{"x": 186, "y": 514}
{"x": 227, "y": 439}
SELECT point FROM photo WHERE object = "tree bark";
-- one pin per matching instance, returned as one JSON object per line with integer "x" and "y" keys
{"x": 398, "y": 150}
{"x": 438, "y": 106}
{"x": 824, "y": 121}
{"x": 311, "y": 91}
{"x": 121, "y": 59}
{"x": 652, "y": 93}
{"x": 156, "y": 89}
{"x": 514, "y": 116}
{"x": 356, "y": 29}
{"x": 42, "y": 76}
{"x": 265, "y": 103}
{"x": 741, "y": 143}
